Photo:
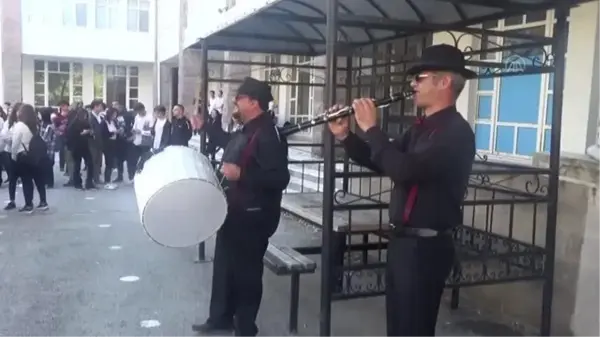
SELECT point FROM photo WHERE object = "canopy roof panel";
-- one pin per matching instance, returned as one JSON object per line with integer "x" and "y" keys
{"x": 298, "y": 27}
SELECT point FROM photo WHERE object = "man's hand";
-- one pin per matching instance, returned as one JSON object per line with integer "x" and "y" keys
{"x": 231, "y": 171}
{"x": 365, "y": 113}
{"x": 340, "y": 128}
{"x": 85, "y": 132}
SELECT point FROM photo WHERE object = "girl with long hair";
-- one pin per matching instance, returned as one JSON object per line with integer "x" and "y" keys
{"x": 23, "y": 133}
{"x": 48, "y": 133}
{"x": 109, "y": 144}
{"x": 3, "y": 117}
{"x": 5, "y": 155}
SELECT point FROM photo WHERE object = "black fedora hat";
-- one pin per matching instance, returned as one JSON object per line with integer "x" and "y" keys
{"x": 257, "y": 90}
{"x": 442, "y": 57}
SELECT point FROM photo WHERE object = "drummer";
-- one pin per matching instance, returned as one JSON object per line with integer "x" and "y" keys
{"x": 256, "y": 183}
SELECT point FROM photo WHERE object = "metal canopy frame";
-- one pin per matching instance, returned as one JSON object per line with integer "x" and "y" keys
{"x": 333, "y": 28}
{"x": 298, "y": 27}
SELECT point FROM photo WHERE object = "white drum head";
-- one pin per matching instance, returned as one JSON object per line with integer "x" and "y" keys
{"x": 184, "y": 213}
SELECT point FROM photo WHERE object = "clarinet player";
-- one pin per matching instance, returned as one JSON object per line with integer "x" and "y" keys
{"x": 429, "y": 166}
{"x": 256, "y": 181}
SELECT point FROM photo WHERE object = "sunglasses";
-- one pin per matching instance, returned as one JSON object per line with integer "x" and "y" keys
{"x": 421, "y": 77}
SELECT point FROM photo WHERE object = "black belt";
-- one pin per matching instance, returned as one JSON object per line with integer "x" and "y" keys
{"x": 418, "y": 232}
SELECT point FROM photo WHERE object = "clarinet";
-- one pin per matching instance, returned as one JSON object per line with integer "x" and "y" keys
{"x": 236, "y": 145}
{"x": 344, "y": 112}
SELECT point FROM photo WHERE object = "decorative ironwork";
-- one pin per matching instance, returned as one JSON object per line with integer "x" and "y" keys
{"x": 520, "y": 58}
{"x": 481, "y": 157}
{"x": 281, "y": 74}
{"x": 506, "y": 184}
{"x": 339, "y": 196}
{"x": 536, "y": 186}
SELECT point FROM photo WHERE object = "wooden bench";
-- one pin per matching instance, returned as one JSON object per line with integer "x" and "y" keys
{"x": 284, "y": 261}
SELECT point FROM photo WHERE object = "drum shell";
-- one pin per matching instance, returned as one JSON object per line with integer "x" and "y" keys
{"x": 180, "y": 200}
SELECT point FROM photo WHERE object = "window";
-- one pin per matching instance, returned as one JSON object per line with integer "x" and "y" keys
{"x": 75, "y": 13}
{"x": 272, "y": 74}
{"x": 107, "y": 12}
{"x": 138, "y": 15}
{"x": 99, "y": 81}
{"x": 55, "y": 81}
{"x": 512, "y": 112}
{"x": 133, "y": 86}
{"x": 301, "y": 95}
{"x": 81, "y": 15}
{"x": 116, "y": 83}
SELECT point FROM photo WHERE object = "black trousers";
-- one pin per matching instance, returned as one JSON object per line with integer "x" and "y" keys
{"x": 110, "y": 158}
{"x": 61, "y": 142}
{"x": 238, "y": 269}
{"x": 82, "y": 154}
{"x": 134, "y": 156}
{"x": 48, "y": 169}
{"x": 122, "y": 151}
{"x": 10, "y": 166}
{"x": 417, "y": 269}
{"x": 29, "y": 175}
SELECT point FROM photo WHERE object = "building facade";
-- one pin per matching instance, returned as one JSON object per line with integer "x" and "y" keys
{"x": 78, "y": 50}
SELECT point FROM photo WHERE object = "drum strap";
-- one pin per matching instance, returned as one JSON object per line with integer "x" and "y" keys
{"x": 248, "y": 150}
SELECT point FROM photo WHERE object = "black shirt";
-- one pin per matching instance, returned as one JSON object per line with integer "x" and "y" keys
{"x": 429, "y": 165}
{"x": 264, "y": 167}
{"x": 181, "y": 131}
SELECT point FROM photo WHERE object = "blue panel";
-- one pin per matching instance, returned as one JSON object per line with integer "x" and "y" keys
{"x": 526, "y": 141}
{"x": 547, "y": 140}
{"x": 551, "y": 81}
{"x": 482, "y": 136}
{"x": 484, "y": 107}
{"x": 549, "y": 109}
{"x": 505, "y": 136}
{"x": 519, "y": 98}
{"x": 485, "y": 84}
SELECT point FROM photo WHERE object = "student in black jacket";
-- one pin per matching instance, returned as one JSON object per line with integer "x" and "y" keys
{"x": 79, "y": 134}
{"x": 161, "y": 130}
{"x": 181, "y": 127}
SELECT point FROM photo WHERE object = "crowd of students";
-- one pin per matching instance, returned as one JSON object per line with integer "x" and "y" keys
{"x": 112, "y": 138}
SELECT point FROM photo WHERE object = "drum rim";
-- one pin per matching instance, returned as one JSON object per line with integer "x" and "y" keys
{"x": 219, "y": 188}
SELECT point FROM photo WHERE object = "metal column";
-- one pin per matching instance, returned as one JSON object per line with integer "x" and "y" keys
{"x": 559, "y": 49}
{"x": 349, "y": 96}
{"x": 203, "y": 97}
{"x": 329, "y": 172}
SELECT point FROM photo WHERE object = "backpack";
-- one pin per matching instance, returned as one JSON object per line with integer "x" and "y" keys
{"x": 37, "y": 151}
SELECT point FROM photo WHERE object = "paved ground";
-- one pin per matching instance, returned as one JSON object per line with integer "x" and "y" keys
{"x": 61, "y": 275}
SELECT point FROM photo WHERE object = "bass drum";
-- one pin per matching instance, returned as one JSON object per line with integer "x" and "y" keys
{"x": 180, "y": 200}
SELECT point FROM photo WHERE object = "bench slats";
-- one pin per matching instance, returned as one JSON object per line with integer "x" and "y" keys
{"x": 285, "y": 260}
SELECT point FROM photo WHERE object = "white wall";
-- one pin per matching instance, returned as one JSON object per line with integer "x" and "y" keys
{"x": 168, "y": 28}
{"x": 145, "y": 78}
{"x": 44, "y": 34}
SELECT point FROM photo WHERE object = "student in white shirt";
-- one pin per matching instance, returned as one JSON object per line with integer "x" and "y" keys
{"x": 7, "y": 162}
{"x": 23, "y": 132}
{"x": 142, "y": 135}
{"x": 161, "y": 131}
{"x": 212, "y": 100}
